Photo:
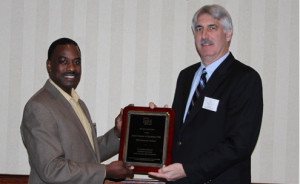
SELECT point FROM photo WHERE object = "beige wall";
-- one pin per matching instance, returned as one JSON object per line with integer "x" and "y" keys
{"x": 133, "y": 51}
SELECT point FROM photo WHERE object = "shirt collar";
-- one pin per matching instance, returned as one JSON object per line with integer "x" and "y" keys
{"x": 73, "y": 96}
{"x": 213, "y": 66}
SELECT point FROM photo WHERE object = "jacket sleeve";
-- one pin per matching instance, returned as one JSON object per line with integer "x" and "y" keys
{"x": 108, "y": 145}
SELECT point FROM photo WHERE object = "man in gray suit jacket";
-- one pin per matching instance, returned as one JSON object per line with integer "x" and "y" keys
{"x": 57, "y": 129}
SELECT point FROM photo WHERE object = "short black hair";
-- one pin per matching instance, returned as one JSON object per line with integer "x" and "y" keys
{"x": 60, "y": 41}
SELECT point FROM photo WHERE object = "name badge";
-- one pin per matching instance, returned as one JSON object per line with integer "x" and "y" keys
{"x": 210, "y": 104}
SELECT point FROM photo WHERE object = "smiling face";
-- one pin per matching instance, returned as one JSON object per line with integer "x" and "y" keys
{"x": 210, "y": 40}
{"x": 64, "y": 67}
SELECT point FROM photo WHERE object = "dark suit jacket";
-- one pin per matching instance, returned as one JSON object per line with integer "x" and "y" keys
{"x": 216, "y": 147}
{"x": 58, "y": 148}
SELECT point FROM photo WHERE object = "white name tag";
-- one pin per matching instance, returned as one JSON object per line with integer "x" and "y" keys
{"x": 210, "y": 104}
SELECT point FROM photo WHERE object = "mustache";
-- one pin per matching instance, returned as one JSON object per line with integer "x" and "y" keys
{"x": 205, "y": 41}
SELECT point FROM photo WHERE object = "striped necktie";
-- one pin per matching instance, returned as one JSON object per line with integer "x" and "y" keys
{"x": 199, "y": 88}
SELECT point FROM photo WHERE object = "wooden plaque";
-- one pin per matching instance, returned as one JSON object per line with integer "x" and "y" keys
{"x": 147, "y": 137}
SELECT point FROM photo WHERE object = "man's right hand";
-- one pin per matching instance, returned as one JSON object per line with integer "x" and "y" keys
{"x": 118, "y": 170}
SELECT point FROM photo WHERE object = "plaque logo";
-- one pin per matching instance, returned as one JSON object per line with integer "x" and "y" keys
{"x": 147, "y": 121}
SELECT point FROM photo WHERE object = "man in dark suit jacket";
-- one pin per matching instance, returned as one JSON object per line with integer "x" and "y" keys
{"x": 57, "y": 129}
{"x": 214, "y": 139}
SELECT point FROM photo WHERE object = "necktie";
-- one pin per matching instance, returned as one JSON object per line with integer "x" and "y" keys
{"x": 199, "y": 88}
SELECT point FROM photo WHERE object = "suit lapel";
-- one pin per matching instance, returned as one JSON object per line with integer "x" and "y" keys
{"x": 93, "y": 129}
{"x": 219, "y": 75}
{"x": 213, "y": 83}
{"x": 67, "y": 109}
{"x": 187, "y": 85}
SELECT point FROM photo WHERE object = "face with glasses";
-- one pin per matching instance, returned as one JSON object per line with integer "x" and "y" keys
{"x": 64, "y": 67}
{"x": 210, "y": 40}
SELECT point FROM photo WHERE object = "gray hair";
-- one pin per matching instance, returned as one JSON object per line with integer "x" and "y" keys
{"x": 217, "y": 12}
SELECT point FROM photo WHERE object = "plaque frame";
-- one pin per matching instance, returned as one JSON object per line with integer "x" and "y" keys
{"x": 166, "y": 156}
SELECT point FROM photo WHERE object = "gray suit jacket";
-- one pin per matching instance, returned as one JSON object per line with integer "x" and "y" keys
{"x": 58, "y": 148}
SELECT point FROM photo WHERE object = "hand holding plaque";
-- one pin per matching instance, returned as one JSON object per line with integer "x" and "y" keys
{"x": 146, "y": 137}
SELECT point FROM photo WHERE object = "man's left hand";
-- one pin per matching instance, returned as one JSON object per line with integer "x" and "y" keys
{"x": 118, "y": 123}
